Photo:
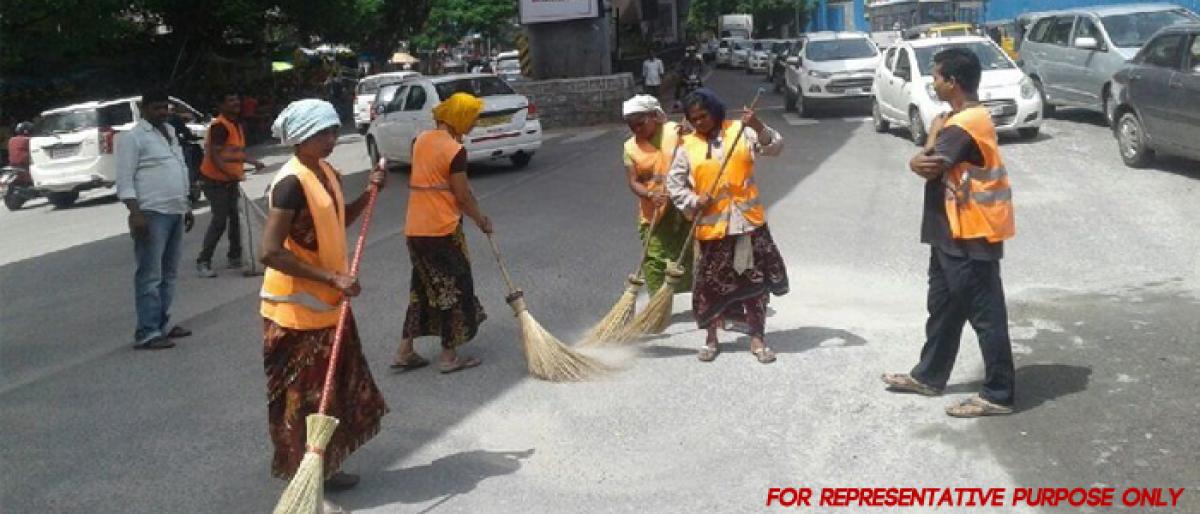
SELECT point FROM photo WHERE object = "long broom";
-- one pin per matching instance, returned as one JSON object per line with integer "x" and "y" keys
{"x": 656, "y": 317}
{"x": 547, "y": 357}
{"x": 613, "y": 323}
{"x": 305, "y": 494}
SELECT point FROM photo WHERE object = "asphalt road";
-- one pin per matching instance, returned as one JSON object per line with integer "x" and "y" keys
{"x": 1101, "y": 283}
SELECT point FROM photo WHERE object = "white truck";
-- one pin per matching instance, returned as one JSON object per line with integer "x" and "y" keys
{"x": 735, "y": 26}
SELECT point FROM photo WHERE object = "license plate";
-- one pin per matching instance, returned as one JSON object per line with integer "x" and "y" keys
{"x": 494, "y": 121}
{"x": 854, "y": 91}
{"x": 63, "y": 152}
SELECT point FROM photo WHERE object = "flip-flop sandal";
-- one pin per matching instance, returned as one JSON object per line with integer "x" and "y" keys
{"x": 709, "y": 353}
{"x": 178, "y": 332}
{"x": 977, "y": 407}
{"x": 459, "y": 365}
{"x": 414, "y": 362}
{"x": 764, "y": 355}
{"x": 902, "y": 382}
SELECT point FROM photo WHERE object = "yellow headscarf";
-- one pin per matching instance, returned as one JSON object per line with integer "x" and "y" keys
{"x": 459, "y": 111}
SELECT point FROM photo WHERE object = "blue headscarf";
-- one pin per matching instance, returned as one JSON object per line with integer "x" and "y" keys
{"x": 303, "y": 119}
{"x": 711, "y": 103}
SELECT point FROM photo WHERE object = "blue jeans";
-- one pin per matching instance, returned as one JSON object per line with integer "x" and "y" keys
{"x": 157, "y": 263}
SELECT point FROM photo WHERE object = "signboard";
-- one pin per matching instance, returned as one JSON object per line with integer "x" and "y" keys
{"x": 542, "y": 11}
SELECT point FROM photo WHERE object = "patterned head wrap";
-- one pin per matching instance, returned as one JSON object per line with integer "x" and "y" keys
{"x": 709, "y": 100}
{"x": 459, "y": 111}
{"x": 303, "y": 119}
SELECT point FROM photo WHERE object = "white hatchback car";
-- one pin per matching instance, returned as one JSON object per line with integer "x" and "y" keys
{"x": 364, "y": 95}
{"x": 508, "y": 127}
{"x": 759, "y": 59}
{"x": 904, "y": 93}
{"x": 72, "y": 147}
{"x": 831, "y": 66}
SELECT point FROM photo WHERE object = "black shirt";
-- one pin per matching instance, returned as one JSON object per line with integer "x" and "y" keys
{"x": 957, "y": 146}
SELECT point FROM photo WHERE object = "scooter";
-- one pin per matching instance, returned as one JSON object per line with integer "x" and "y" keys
{"x": 17, "y": 186}
{"x": 690, "y": 83}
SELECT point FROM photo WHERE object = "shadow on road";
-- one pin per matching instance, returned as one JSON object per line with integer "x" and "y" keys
{"x": 441, "y": 480}
{"x": 1038, "y": 384}
{"x": 796, "y": 340}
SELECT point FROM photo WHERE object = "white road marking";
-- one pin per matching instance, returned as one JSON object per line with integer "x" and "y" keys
{"x": 858, "y": 119}
{"x": 796, "y": 121}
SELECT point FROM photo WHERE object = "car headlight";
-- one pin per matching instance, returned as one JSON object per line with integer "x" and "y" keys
{"x": 819, "y": 74}
{"x": 929, "y": 90}
{"x": 1028, "y": 90}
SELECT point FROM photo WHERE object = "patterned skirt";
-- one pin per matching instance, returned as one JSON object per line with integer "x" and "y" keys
{"x": 441, "y": 299}
{"x": 718, "y": 288}
{"x": 295, "y": 362}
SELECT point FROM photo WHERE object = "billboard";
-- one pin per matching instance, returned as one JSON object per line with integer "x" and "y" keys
{"x": 542, "y": 11}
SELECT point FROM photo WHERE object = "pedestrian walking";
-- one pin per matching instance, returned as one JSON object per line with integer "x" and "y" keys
{"x": 221, "y": 172}
{"x": 652, "y": 74}
{"x": 304, "y": 249}
{"x": 739, "y": 263}
{"x": 152, "y": 181}
{"x": 441, "y": 299}
{"x": 968, "y": 215}
{"x": 647, "y": 155}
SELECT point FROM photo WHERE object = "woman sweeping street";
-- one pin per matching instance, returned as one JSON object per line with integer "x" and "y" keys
{"x": 738, "y": 263}
{"x": 442, "y": 298}
{"x": 647, "y": 156}
{"x": 304, "y": 250}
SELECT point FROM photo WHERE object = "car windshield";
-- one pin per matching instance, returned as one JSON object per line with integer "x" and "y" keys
{"x": 840, "y": 49}
{"x": 371, "y": 85}
{"x": 990, "y": 57}
{"x": 1133, "y": 30}
{"x": 64, "y": 122}
{"x": 481, "y": 86}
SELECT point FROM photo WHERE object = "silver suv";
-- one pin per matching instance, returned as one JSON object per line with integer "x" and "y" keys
{"x": 1072, "y": 55}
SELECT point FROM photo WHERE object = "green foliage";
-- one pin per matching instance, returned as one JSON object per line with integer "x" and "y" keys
{"x": 450, "y": 20}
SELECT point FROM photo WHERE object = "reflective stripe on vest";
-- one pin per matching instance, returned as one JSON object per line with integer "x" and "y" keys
{"x": 301, "y": 298}
{"x": 978, "y": 199}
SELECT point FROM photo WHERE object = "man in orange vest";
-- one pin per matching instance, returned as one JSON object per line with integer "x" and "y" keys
{"x": 968, "y": 215}
{"x": 221, "y": 171}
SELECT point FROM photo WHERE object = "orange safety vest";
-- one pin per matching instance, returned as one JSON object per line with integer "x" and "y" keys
{"x": 432, "y": 208}
{"x": 233, "y": 152}
{"x": 737, "y": 189}
{"x": 979, "y": 200}
{"x": 299, "y": 303}
{"x": 651, "y": 165}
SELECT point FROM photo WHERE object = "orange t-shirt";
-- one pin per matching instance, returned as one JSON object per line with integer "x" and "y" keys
{"x": 432, "y": 209}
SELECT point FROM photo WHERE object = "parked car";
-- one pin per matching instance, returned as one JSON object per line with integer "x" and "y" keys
{"x": 904, "y": 94}
{"x": 1072, "y": 55}
{"x": 759, "y": 58}
{"x": 508, "y": 128}
{"x": 509, "y": 70}
{"x": 740, "y": 56}
{"x": 708, "y": 50}
{"x": 72, "y": 147}
{"x": 365, "y": 92}
{"x": 830, "y": 66}
{"x": 1158, "y": 98}
{"x": 725, "y": 51}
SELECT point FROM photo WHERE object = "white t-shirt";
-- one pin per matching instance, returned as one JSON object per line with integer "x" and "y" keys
{"x": 652, "y": 70}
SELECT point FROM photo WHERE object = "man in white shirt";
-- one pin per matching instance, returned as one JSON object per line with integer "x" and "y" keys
{"x": 152, "y": 181}
{"x": 652, "y": 74}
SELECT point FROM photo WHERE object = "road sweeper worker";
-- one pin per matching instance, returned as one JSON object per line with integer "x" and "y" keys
{"x": 647, "y": 156}
{"x": 739, "y": 263}
{"x": 441, "y": 299}
{"x": 304, "y": 250}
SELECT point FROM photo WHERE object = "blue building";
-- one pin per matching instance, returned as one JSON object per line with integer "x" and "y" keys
{"x": 852, "y": 14}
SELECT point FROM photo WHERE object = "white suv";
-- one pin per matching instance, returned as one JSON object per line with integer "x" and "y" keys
{"x": 832, "y": 66}
{"x": 72, "y": 147}
{"x": 364, "y": 95}
{"x": 904, "y": 93}
{"x": 508, "y": 127}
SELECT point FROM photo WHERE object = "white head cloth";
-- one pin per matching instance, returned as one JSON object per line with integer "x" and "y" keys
{"x": 643, "y": 104}
{"x": 303, "y": 119}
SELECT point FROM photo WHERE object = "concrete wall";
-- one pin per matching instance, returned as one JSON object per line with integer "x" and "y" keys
{"x": 572, "y": 48}
{"x": 579, "y": 101}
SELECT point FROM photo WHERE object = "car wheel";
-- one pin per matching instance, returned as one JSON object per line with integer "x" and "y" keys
{"x": 1029, "y": 133}
{"x": 63, "y": 200}
{"x": 1109, "y": 108}
{"x": 916, "y": 127}
{"x": 1047, "y": 108}
{"x": 1132, "y": 139}
{"x": 521, "y": 159}
{"x": 881, "y": 125}
{"x": 13, "y": 199}
{"x": 372, "y": 150}
{"x": 362, "y": 129}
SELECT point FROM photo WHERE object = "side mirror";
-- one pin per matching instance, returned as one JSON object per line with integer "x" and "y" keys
{"x": 1087, "y": 43}
{"x": 793, "y": 61}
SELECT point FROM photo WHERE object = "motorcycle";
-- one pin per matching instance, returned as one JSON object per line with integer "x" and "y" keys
{"x": 691, "y": 83}
{"x": 17, "y": 186}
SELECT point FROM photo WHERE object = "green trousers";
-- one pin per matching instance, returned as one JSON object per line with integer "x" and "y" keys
{"x": 665, "y": 244}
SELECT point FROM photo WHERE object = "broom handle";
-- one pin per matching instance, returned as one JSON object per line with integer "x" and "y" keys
{"x": 503, "y": 269}
{"x": 712, "y": 190}
{"x": 344, "y": 315}
{"x": 655, "y": 219}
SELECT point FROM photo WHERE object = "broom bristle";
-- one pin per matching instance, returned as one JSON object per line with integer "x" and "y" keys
{"x": 617, "y": 318}
{"x": 654, "y": 318}
{"x": 550, "y": 359}
{"x": 305, "y": 493}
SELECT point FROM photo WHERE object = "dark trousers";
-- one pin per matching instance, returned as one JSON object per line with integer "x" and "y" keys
{"x": 223, "y": 199}
{"x": 961, "y": 290}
